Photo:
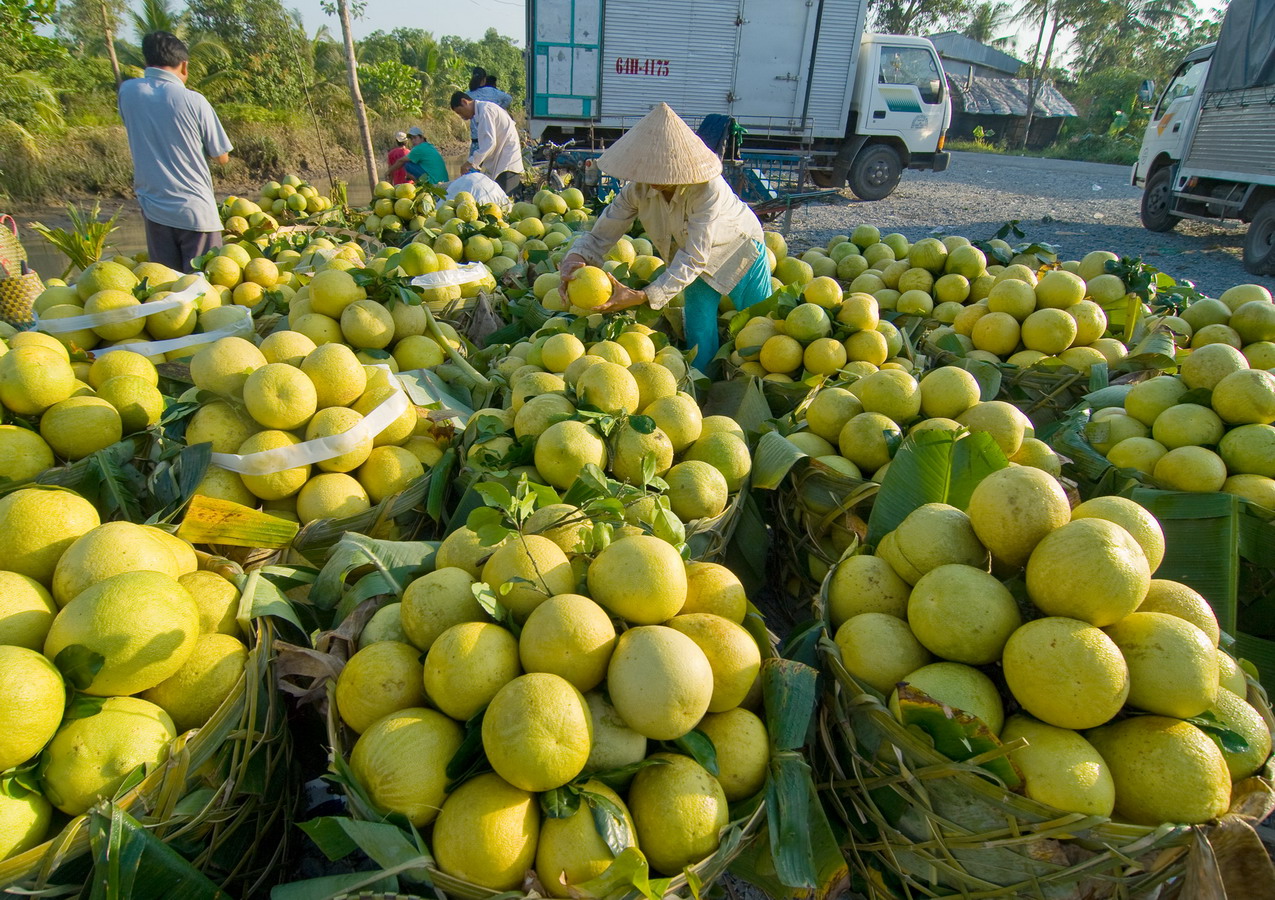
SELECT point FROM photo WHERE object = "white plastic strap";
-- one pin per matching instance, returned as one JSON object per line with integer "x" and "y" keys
{"x": 280, "y": 459}
{"x": 465, "y": 274}
{"x": 241, "y": 327}
{"x": 125, "y": 313}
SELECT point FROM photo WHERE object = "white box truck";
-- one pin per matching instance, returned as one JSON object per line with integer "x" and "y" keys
{"x": 1209, "y": 150}
{"x": 799, "y": 75}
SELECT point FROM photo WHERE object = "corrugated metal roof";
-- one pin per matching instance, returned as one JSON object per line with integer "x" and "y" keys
{"x": 956, "y": 46}
{"x": 1006, "y": 97}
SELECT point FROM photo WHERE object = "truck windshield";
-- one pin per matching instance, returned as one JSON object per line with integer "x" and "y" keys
{"x": 915, "y": 66}
{"x": 1185, "y": 83}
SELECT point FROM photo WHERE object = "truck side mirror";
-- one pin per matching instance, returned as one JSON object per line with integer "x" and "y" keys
{"x": 1146, "y": 92}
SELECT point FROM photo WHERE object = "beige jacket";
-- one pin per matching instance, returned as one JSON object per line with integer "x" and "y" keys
{"x": 713, "y": 233}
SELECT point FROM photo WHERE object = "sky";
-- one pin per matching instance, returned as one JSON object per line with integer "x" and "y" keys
{"x": 466, "y": 18}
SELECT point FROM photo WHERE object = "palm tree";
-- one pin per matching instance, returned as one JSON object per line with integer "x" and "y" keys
{"x": 985, "y": 20}
{"x": 157, "y": 15}
{"x": 356, "y": 95}
{"x": 1054, "y": 16}
{"x": 1122, "y": 30}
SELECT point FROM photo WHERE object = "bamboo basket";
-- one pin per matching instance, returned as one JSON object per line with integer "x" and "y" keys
{"x": 747, "y": 824}
{"x": 223, "y": 798}
{"x": 922, "y": 825}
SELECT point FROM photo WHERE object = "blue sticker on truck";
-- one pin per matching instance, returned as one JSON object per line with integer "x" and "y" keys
{"x": 901, "y": 99}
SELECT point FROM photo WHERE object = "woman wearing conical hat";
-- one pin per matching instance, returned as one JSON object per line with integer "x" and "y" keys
{"x": 710, "y": 238}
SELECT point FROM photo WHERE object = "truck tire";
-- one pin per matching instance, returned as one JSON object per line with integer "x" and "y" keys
{"x": 875, "y": 172}
{"x": 1157, "y": 197}
{"x": 1259, "y": 244}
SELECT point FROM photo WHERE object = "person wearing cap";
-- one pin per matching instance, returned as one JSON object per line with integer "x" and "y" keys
{"x": 710, "y": 238}
{"x": 423, "y": 161}
{"x": 397, "y": 152}
{"x": 499, "y": 151}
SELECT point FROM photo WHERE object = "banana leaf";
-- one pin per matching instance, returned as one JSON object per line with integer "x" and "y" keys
{"x": 395, "y": 562}
{"x": 743, "y": 401}
{"x": 932, "y": 467}
{"x": 130, "y": 863}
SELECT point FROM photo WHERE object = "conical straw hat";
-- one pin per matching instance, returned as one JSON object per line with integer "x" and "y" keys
{"x": 660, "y": 149}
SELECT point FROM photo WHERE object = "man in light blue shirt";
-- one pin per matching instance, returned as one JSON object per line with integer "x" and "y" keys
{"x": 172, "y": 133}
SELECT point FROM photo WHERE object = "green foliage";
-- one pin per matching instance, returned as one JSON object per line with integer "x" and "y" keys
{"x": 264, "y": 42}
{"x": 916, "y": 16}
{"x": 390, "y": 87}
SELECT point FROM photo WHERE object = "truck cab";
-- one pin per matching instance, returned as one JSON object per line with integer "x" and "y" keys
{"x": 1165, "y": 141}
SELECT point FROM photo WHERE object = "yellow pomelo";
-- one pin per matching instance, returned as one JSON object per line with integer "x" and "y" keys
{"x": 571, "y": 851}
{"x": 26, "y": 611}
{"x": 34, "y": 378}
{"x": 1105, "y": 433}
{"x": 1036, "y": 454}
{"x": 1147, "y": 399}
{"x": 713, "y": 588}
{"x": 561, "y": 523}
{"x": 1138, "y": 453}
{"x": 866, "y": 584}
{"x": 879, "y": 649}
{"x": 1133, "y": 518}
{"x": 743, "y": 751}
{"x": 1187, "y": 425}
{"x": 221, "y": 424}
{"x": 608, "y": 387}
{"x": 435, "y": 602}
{"x": 1005, "y": 423}
{"x": 138, "y": 403}
{"x": 109, "y": 549}
{"x": 1190, "y": 469}
{"x": 527, "y": 571}
{"x": 891, "y": 393}
{"x": 1234, "y": 714}
{"x": 867, "y": 440}
{"x": 639, "y": 578}
{"x": 1206, "y": 366}
{"x": 335, "y": 420}
{"x": 726, "y": 452}
{"x": 537, "y": 732}
{"x": 1245, "y": 397}
{"x": 332, "y": 290}
{"x": 615, "y": 744}
{"x": 110, "y": 365}
{"x": 630, "y": 449}
{"x": 1172, "y": 664}
{"x": 731, "y": 652}
{"x": 486, "y": 833}
{"x": 37, "y": 525}
{"x": 1255, "y": 488}
{"x": 108, "y": 301}
{"x": 380, "y": 679}
{"x": 589, "y": 287}
{"x": 195, "y": 691}
{"x": 564, "y": 448}
{"x": 654, "y": 381}
{"x": 467, "y": 664}
{"x": 1089, "y": 569}
{"x": 276, "y": 485}
{"x": 679, "y": 810}
{"x": 337, "y": 375}
{"x": 561, "y": 350}
{"x": 696, "y": 490}
{"x": 33, "y": 700}
{"x": 947, "y": 392}
{"x": 217, "y": 600}
{"x": 829, "y": 411}
{"x": 388, "y": 471}
{"x": 223, "y": 366}
{"x": 23, "y": 454}
{"x": 569, "y": 636}
{"x": 88, "y": 759}
{"x": 223, "y": 484}
{"x": 367, "y": 324}
{"x": 79, "y": 426}
{"x": 679, "y": 417}
{"x": 463, "y": 549}
{"x": 1164, "y": 770}
{"x": 24, "y": 821}
{"x": 962, "y": 614}
{"x": 660, "y": 681}
{"x": 279, "y": 395}
{"x": 402, "y": 762}
{"x": 386, "y": 624}
{"x": 1066, "y": 672}
{"x": 960, "y": 687}
{"x": 1179, "y": 600}
{"x": 143, "y": 624}
{"x": 1060, "y": 768}
{"x": 932, "y": 535}
{"x": 1230, "y": 676}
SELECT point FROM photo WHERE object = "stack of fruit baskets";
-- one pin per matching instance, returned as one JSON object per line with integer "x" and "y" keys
{"x": 1063, "y": 725}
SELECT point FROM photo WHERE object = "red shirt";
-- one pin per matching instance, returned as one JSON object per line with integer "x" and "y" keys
{"x": 401, "y": 176}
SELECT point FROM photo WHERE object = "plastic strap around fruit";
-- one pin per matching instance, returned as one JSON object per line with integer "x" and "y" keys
{"x": 465, "y": 274}
{"x": 125, "y": 313}
{"x": 241, "y": 327}
{"x": 280, "y": 459}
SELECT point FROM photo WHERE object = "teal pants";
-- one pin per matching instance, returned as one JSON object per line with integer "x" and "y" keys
{"x": 702, "y": 302}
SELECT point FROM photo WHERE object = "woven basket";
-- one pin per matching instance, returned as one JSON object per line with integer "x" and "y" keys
{"x": 17, "y": 297}
{"x": 223, "y": 798}
{"x": 12, "y": 253}
{"x": 923, "y": 825}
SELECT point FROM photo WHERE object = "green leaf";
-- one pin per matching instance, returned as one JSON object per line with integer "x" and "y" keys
{"x": 629, "y": 869}
{"x": 1226, "y": 739}
{"x": 495, "y": 494}
{"x": 398, "y": 561}
{"x": 773, "y": 460}
{"x": 387, "y": 845}
{"x": 957, "y": 734}
{"x": 609, "y": 821}
{"x": 470, "y": 758}
{"x": 618, "y": 779}
{"x": 83, "y": 707}
{"x": 699, "y": 747}
{"x": 79, "y": 665}
{"x": 932, "y": 467}
{"x": 987, "y": 374}
{"x": 130, "y": 862}
{"x": 642, "y": 424}
{"x": 560, "y": 803}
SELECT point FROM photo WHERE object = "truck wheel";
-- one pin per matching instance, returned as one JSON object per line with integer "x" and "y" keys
{"x": 875, "y": 173}
{"x": 1157, "y": 197}
{"x": 1259, "y": 245}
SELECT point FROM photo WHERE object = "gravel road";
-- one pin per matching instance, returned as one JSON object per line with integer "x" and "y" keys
{"x": 1077, "y": 206}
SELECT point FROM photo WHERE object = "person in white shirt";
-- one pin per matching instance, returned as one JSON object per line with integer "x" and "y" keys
{"x": 499, "y": 152}
{"x": 710, "y": 238}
